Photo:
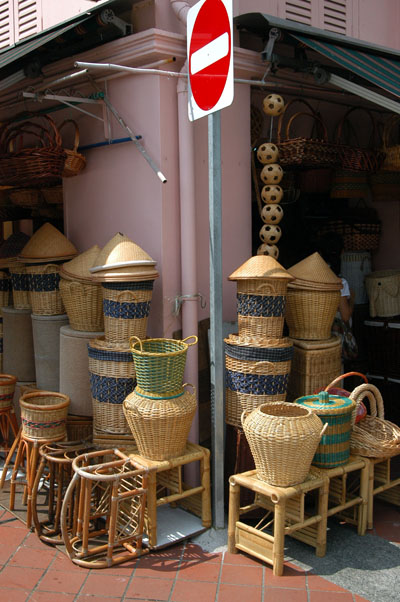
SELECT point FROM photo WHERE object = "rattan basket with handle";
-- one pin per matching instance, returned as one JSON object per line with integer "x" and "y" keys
{"x": 83, "y": 303}
{"x": 7, "y": 388}
{"x": 44, "y": 415}
{"x": 75, "y": 162}
{"x": 45, "y": 296}
{"x": 20, "y": 283}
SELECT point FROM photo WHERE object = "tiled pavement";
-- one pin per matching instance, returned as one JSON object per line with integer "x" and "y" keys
{"x": 32, "y": 571}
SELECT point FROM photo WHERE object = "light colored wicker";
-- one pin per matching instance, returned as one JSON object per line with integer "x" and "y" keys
{"x": 75, "y": 162}
{"x": 310, "y": 313}
{"x": 47, "y": 242}
{"x": 83, "y": 303}
{"x": 314, "y": 269}
{"x": 383, "y": 289}
{"x": 373, "y": 436}
{"x": 119, "y": 250}
{"x": 7, "y": 389}
{"x": 78, "y": 267}
{"x": 283, "y": 438}
{"x": 20, "y": 282}
{"x": 44, "y": 414}
{"x": 126, "y": 309}
{"x": 160, "y": 364}
{"x": 44, "y": 294}
{"x": 262, "y": 268}
{"x": 313, "y": 368}
{"x": 5, "y": 287}
{"x": 161, "y": 426}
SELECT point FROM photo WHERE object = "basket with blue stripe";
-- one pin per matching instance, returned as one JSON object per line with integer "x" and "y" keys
{"x": 5, "y": 288}
{"x": 44, "y": 284}
{"x": 126, "y": 307}
{"x": 20, "y": 284}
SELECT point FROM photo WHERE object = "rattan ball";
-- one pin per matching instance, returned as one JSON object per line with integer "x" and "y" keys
{"x": 271, "y": 174}
{"x": 272, "y": 193}
{"x": 268, "y": 153}
{"x": 266, "y": 249}
{"x": 270, "y": 234}
{"x": 271, "y": 214}
{"x": 273, "y": 104}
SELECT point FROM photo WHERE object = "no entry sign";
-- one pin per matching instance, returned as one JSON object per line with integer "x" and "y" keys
{"x": 210, "y": 57}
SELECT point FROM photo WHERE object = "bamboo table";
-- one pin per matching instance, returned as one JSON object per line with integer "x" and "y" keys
{"x": 166, "y": 486}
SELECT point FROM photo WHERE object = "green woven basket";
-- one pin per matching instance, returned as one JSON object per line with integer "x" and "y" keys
{"x": 159, "y": 365}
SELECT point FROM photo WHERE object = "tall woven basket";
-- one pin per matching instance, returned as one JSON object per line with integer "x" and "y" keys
{"x": 7, "y": 389}
{"x": 44, "y": 415}
{"x": 261, "y": 307}
{"x": 310, "y": 313}
{"x": 5, "y": 288}
{"x": 20, "y": 283}
{"x": 161, "y": 426}
{"x": 45, "y": 296}
{"x": 112, "y": 378}
{"x": 256, "y": 371}
{"x": 126, "y": 307}
{"x": 283, "y": 438}
{"x": 83, "y": 303}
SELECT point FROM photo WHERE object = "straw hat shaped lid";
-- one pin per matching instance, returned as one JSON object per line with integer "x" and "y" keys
{"x": 121, "y": 251}
{"x": 79, "y": 266}
{"x": 260, "y": 267}
{"x": 48, "y": 242}
{"x": 315, "y": 269}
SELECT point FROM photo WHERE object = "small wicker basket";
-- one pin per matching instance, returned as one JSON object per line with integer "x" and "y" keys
{"x": 261, "y": 307}
{"x": 44, "y": 415}
{"x": 44, "y": 292}
{"x": 7, "y": 389}
{"x": 83, "y": 303}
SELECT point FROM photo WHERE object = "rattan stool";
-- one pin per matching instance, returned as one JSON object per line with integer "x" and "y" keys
{"x": 110, "y": 515}
{"x": 53, "y": 477}
{"x": 166, "y": 486}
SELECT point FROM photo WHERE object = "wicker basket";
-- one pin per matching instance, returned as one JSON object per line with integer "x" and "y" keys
{"x": 255, "y": 375}
{"x": 336, "y": 412}
{"x": 261, "y": 307}
{"x": 25, "y": 197}
{"x": 383, "y": 289}
{"x": 126, "y": 307}
{"x": 283, "y": 438}
{"x": 112, "y": 378}
{"x": 7, "y": 389}
{"x": 79, "y": 428}
{"x": 373, "y": 436}
{"x": 44, "y": 415}
{"x": 310, "y": 313}
{"x": 160, "y": 426}
{"x": 45, "y": 296}
{"x": 349, "y": 184}
{"x": 74, "y": 162}
{"x": 83, "y": 303}
{"x": 357, "y": 236}
{"x": 20, "y": 283}
{"x": 160, "y": 364}
{"x": 53, "y": 195}
{"x": 5, "y": 288}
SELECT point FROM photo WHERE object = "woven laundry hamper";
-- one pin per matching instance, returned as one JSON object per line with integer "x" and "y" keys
{"x": 112, "y": 378}
{"x": 20, "y": 283}
{"x": 45, "y": 296}
{"x": 5, "y": 289}
{"x": 126, "y": 307}
{"x": 383, "y": 289}
{"x": 256, "y": 371}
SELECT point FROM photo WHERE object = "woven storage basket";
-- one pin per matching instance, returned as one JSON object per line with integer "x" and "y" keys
{"x": 20, "y": 283}
{"x": 44, "y": 292}
{"x": 126, "y": 307}
{"x": 261, "y": 307}
{"x": 5, "y": 288}
{"x": 383, "y": 289}
{"x": 336, "y": 412}
{"x": 79, "y": 428}
{"x": 25, "y": 197}
{"x": 385, "y": 185}
{"x": 160, "y": 364}
{"x": 1, "y": 344}
{"x": 283, "y": 438}
{"x": 44, "y": 415}
{"x": 373, "y": 436}
{"x": 7, "y": 389}
{"x": 357, "y": 236}
{"x": 53, "y": 195}
{"x": 310, "y": 313}
{"x": 161, "y": 426}
{"x": 255, "y": 375}
{"x": 75, "y": 162}
{"x": 349, "y": 184}
{"x": 112, "y": 378}
{"x": 314, "y": 365}
{"x": 83, "y": 303}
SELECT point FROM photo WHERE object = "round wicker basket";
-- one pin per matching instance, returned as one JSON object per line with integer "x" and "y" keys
{"x": 7, "y": 388}
{"x": 83, "y": 303}
{"x": 44, "y": 415}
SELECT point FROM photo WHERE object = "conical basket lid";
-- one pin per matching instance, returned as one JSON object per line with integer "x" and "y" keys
{"x": 120, "y": 250}
{"x": 260, "y": 266}
{"x": 80, "y": 265}
{"x": 48, "y": 242}
{"x": 314, "y": 269}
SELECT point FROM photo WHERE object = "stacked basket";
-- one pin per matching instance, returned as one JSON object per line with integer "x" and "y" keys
{"x": 312, "y": 302}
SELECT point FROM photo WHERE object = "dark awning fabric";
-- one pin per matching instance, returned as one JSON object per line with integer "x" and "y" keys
{"x": 380, "y": 70}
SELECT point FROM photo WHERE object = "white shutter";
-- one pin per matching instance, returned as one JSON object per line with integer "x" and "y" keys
{"x": 6, "y": 23}
{"x": 299, "y": 11}
{"x": 334, "y": 16}
{"x": 26, "y": 19}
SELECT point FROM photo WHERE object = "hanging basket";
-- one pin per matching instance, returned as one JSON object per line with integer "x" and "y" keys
{"x": 74, "y": 162}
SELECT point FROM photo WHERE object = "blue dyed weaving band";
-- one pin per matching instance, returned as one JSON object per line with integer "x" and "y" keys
{"x": 41, "y": 283}
{"x": 110, "y": 390}
{"x": 110, "y": 356}
{"x": 261, "y": 306}
{"x": 5, "y": 284}
{"x": 257, "y": 384}
{"x": 20, "y": 282}
{"x": 269, "y": 354}
{"x": 143, "y": 285}
{"x": 129, "y": 311}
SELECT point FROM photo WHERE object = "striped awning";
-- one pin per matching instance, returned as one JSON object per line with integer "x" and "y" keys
{"x": 379, "y": 69}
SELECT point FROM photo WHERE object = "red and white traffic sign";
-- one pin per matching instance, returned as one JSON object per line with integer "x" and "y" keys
{"x": 210, "y": 57}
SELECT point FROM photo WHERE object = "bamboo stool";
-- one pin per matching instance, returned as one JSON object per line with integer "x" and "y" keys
{"x": 166, "y": 486}
{"x": 381, "y": 484}
{"x": 286, "y": 506}
{"x": 8, "y": 423}
{"x": 27, "y": 460}
{"x": 110, "y": 516}
{"x": 55, "y": 471}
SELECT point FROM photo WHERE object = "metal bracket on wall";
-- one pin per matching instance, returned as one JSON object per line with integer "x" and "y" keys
{"x": 181, "y": 298}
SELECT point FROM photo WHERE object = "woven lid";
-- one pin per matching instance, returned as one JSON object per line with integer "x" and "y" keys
{"x": 311, "y": 345}
{"x": 260, "y": 266}
{"x": 324, "y": 403}
{"x": 314, "y": 269}
{"x": 125, "y": 274}
{"x": 257, "y": 341}
{"x": 79, "y": 266}
{"x": 14, "y": 244}
{"x": 48, "y": 242}
{"x": 119, "y": 250}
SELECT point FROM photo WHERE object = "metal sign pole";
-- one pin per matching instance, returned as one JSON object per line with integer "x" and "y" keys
{"x": 215, "y": 342}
